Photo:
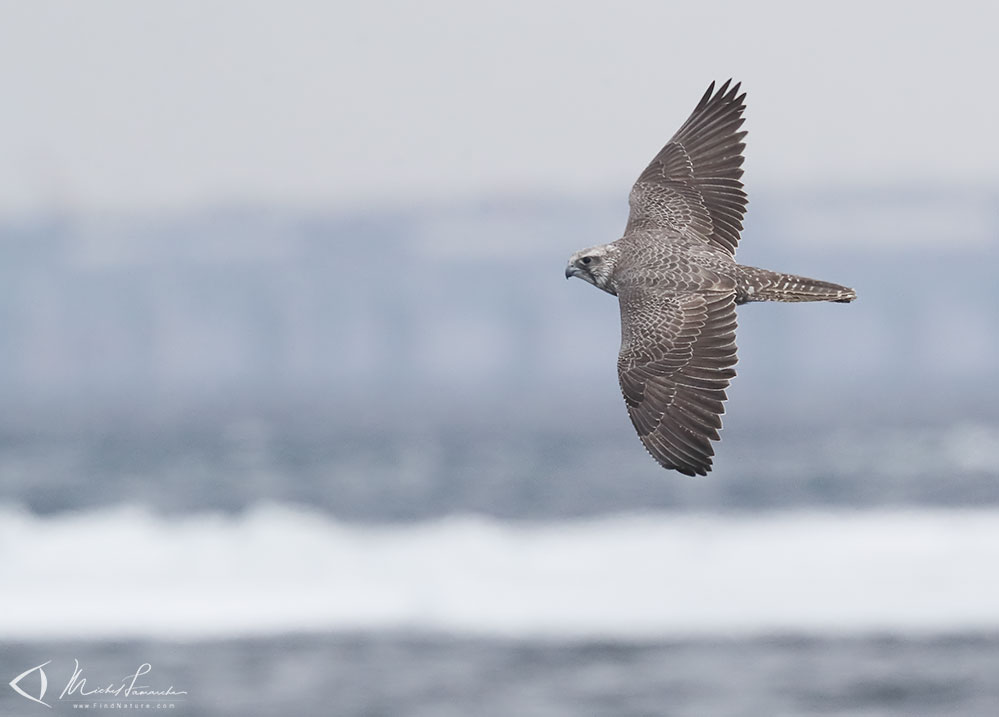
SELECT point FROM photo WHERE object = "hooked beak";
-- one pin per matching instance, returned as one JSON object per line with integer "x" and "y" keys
{"x": 570, "y": 271}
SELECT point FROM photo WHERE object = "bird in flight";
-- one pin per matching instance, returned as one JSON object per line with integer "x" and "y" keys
{"x": 677, "y": 282}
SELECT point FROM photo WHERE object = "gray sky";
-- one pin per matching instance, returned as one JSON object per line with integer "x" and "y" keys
{"x": 125, "y": 105}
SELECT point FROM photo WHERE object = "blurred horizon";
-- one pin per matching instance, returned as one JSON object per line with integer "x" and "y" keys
{"x": 257, "y": 300}
{"x": 415, "y": 363}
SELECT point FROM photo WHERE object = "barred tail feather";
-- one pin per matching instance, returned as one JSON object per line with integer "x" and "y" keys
{"x": 773, "y": 286}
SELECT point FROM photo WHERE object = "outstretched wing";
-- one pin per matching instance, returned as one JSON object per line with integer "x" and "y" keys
{"x": 677, "y": 353}
{"x": 693, "y": 186}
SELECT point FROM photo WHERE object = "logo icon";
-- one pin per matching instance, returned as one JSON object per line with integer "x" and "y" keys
{"x": 15, "y": 684}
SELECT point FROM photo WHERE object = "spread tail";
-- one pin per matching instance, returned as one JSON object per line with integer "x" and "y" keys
{"x": 764, "y": 285}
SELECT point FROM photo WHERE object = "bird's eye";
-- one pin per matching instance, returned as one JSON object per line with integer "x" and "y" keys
{"x": 587, "y": 259}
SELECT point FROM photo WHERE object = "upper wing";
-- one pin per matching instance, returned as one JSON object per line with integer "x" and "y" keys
{"x": 676, "y": 360}
{"x": 693, "y": 185}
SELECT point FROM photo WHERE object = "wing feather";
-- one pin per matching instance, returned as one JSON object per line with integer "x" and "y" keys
{"x": 693, "y": 186}
{"x": 677, "y": 354}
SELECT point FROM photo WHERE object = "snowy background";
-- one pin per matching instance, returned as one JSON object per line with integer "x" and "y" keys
{"x": 296, "y": 406}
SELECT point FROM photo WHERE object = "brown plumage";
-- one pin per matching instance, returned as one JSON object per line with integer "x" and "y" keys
{"x": 675, "y": 274}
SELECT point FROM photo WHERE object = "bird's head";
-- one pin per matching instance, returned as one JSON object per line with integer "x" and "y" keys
{"x": 594, "y": 265}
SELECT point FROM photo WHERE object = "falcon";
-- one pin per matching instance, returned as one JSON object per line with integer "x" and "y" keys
{"x": 677, "y": 282}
